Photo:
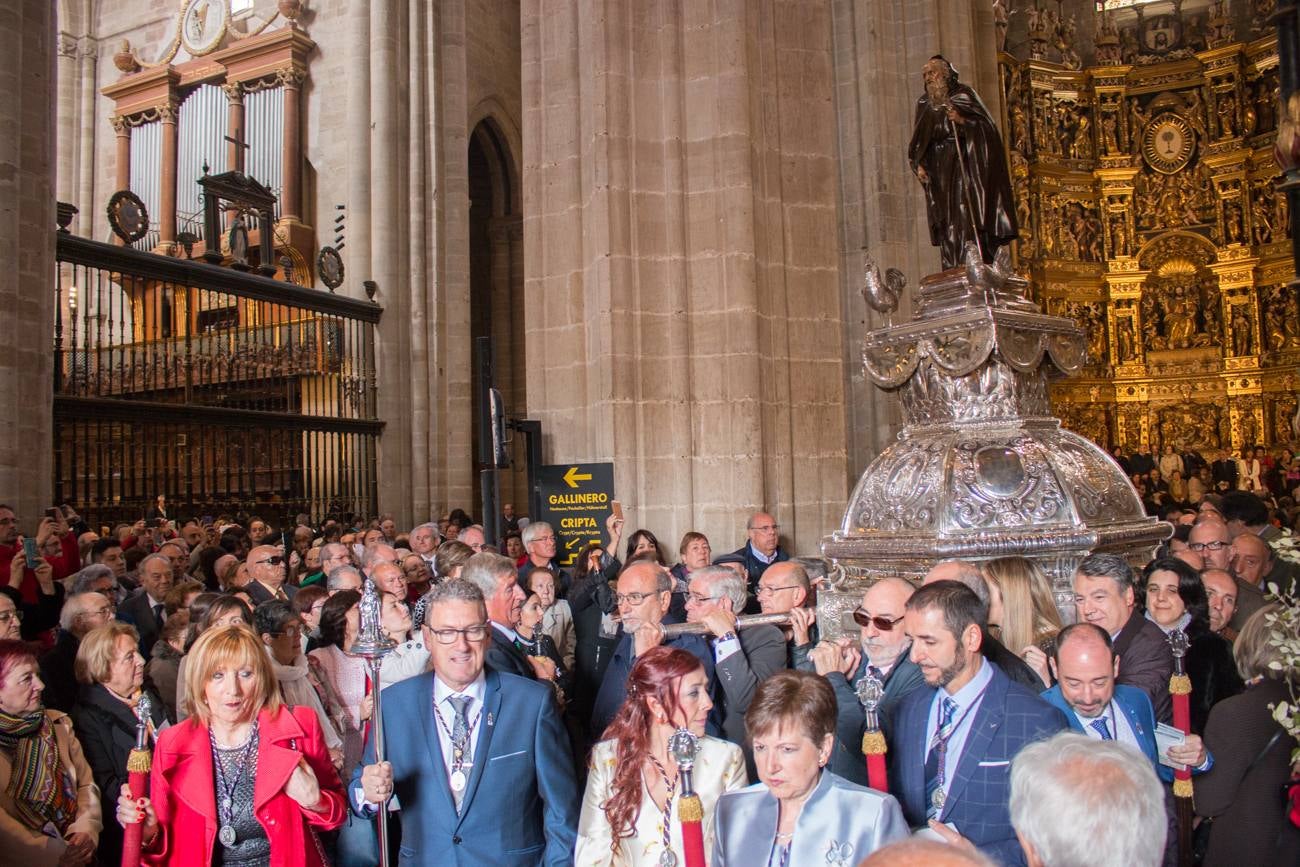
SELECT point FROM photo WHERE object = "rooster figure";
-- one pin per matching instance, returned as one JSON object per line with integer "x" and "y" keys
{"x": 881, "y": 294}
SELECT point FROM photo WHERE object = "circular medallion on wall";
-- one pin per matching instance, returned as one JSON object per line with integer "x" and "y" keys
{"x": 1168, "y": 142}
{"x": 203, "y": 23}
{"x": 329, "y": 265}
{"x": 127, "y": 216}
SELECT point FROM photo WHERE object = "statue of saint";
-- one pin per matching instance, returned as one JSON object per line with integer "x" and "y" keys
{"x": 956, "y": 153}
{"x": 1179, "y": 320}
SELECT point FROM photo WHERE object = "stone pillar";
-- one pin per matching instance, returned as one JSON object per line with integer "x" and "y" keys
{"x": 166, "y": 218}
{"x": 27, "y": 164}
{"x": 291, "y": 172}
{"x": 681, "y": 264}
{"x": 122, "y": 130}
{"x": 67, "y": 117}
{"x": 89, "y": 50}
{"x": 880, "y": 47}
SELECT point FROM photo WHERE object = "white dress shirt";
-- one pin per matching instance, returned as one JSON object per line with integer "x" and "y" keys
{"x": 968, "y": 700}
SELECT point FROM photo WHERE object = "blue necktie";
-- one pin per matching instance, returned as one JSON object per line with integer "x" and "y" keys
{"x": 1099, "y": 725}
{"x": 938, "y": 745}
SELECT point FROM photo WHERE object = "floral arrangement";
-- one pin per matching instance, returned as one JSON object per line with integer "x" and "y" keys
{"x": 1284, "y": 633}
{"x": 1287, "y": 547}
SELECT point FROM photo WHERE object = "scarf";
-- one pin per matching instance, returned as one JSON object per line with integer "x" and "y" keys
{"x": 39, "y": 785}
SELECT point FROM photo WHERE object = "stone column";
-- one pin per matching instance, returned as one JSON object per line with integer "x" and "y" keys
{"x": 67, "y": 118}
{"x": 122, "y": 130}
{"x": 167, "y": 193}
{"x": 681, "y": 264}
{"x": 27, "y": 163}
{"x": 291, "y": 172}
{"x": 89, "y": 50}
{"x": 880, "y": 47}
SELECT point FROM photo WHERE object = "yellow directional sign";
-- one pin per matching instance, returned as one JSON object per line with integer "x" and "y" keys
{"x": 572, "y": 477}
{"x": 575, "y": 501}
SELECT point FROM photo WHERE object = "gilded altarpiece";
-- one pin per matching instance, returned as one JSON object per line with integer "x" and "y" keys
{"x": 1145, "y": 190}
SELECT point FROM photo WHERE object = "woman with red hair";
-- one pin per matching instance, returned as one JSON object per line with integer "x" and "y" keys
{"x": 49, "y": 804}
{"x": 629, "y": 812}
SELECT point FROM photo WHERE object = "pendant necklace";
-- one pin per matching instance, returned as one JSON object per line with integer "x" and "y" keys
{"x": 226, "y": 788}
{"x": 667, "y": 858}
{"x": 458, "y": 778}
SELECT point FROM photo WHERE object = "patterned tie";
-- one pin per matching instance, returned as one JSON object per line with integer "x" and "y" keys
{"x": 938, "y": 744}
{"x": 872, "y": 671}
{"x": 1099, "y": 725}
{"x": 460, "y": 739}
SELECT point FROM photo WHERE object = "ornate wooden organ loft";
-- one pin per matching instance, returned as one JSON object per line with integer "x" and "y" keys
{"x": 1145, "y": 190}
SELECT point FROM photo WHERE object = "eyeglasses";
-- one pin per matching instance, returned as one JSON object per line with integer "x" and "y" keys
{"x": 106, "y": 611}
{"x": 864, "y": 618}
{"x": 699, "y": 600}
{"x": 632, "y": 598}
{"x": 766, "y": 528}
{"x": 6, "y": 616}
{"x": 1207, "y": 546}
{"x": 273, "y": 560}
{"x": 477, "y": 632}
{"x": 292, "y": 631}
{"x": 544, "y": 538}
{"x": 761, "y": 590}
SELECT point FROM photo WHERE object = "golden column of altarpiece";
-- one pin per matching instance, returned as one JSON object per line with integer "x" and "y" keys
{"x": 1147, "y": 210}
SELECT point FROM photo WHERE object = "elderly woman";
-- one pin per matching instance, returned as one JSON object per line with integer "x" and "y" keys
{"x": 280, "y": 628}
{"x": 244, "y": 780}
{"x": 207, "y": 611}
{"x": 341, "y": 675}
{"x": 111, "y": 672}
{"x": 799, "y": 812}
{"x": 49, "y": 804}
{"x": 1175, "y": 599}
{"x": 163, "y": 668}
{"x": 629, "y": 811}
{"x": 1241, "y": 812}
{"x": 418, "y": 576}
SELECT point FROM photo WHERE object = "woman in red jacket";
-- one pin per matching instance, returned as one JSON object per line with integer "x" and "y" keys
{"x": 244, "y": 775}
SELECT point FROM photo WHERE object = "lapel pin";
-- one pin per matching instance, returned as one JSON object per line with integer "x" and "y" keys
{"x": 491, "y": 719}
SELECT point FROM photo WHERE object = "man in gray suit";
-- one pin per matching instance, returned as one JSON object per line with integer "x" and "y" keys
{"x": 742, "y": 658}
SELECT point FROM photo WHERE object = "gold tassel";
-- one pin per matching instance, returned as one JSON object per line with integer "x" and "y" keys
{"x": 1182, "y": 788}
{"x": 873, "y": 744}
{"x": 138, "y": 762}
{"x": 1180, "y": 684}
{"x": 689, "y": 809}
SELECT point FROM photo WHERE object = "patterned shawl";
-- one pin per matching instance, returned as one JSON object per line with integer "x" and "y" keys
{"x": 40, "y": 785}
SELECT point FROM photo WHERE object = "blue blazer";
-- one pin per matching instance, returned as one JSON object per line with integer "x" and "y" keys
{"x": 1009, "y": 717}
{"x": 1137, "y": 710}
{"x": 840, "y": 824}
{"x": 613, "y": 686}
{"x": 521, "y": 805}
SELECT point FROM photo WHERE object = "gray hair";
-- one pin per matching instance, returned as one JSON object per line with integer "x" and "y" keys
{"x": 969, "y": 574}
{"x": 335, "y": 579}
{"x": 162, "y": 558}
{"x": 426, "y": 526}
{"x": 460, "y": 537}
{"x": 725, "y": 584}
{"x": 528, "y": 534}
{"x": 814, "y": 568}
{"x": 663, "y": 578}
{"x": 327, "y": 550}
{"x": 81, "y": 581}
{"x": 453, "y": 590}
{"x": 371, "y": 556}
{"x": 1079, "y": 802}
{"x": 74, "y": 605}
{"x": 486, "y": 571}
{"x": 1112, "y": 566}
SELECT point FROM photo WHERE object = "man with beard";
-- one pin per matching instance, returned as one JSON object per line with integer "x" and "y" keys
{"x": 955, "y": 737}
{"x": 956, "y": 153}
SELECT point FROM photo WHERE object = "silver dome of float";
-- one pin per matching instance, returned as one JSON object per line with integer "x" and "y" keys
{"x": 981, "y": 468}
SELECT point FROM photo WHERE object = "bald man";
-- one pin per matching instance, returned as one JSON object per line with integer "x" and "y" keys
{"x": 1221, "y": 592}
{"x": 917, "y": 852}
{"x": 1253, "y": 565}
{"x": 881, "y": 652}
{"x": 1210, "y": 539}
{"x": 993, "y": 650}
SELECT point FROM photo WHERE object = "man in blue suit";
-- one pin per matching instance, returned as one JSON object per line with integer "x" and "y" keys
{"x": 483, "y": 774}
{"x": 955, "y": 737}
{"x": 1085, "y": 666}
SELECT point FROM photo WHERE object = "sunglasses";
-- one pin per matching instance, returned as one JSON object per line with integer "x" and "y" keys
{"x": 273, "y": 560}
{"x": 884, "y": 624}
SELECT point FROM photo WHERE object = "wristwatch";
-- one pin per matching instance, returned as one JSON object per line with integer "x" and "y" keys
{"x": 728, "y": 636}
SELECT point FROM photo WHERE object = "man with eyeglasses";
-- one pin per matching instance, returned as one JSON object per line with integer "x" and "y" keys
{"x": 488, "y": 778}
{"x": 786, "y": 589}
{"x": 742, "y": 658}
{"x": 643, "y": 594}
{"x": 380, "y": 552}
{"x": 267, "y": 566}
{"x": 81, "y": 613}
{"x": 34, "y": 593}
{"x": 763, "y": 547}
{"x": 540, "y": 545}
{"x": 11, "y": 618}
{"x": 145, "y": 610}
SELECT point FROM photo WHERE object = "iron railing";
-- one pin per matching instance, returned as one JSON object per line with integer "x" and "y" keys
{"x": 229, "y": 392}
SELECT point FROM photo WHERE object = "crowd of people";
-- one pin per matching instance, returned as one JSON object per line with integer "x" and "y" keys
{"x": 529, "y": 710}
{"x": 1176, "y": 480}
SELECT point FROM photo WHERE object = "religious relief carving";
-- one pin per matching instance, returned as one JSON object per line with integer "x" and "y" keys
{"x": 1189, "y": 426}
{"x": 1263, "y": 93}
{"x": 1225, "y": 103}
{"x": 1260, "y": 13}
{"x": 1219, "y": 29}
{"x": 1083, "y": 234}
{"x": 1119, "y": 243}
{"x": 1087, "y": 420}
{"x": 1281, "y": 318}
{"x": 1262, "y": 208}
{"x": 1108, "y": 51}
{"x": 1243, "y": 330}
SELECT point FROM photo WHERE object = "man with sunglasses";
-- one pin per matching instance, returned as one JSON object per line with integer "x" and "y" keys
{"x": 485, "y": 775}
{"x": 882, "y": 653}
{"x": 266, "y": 565}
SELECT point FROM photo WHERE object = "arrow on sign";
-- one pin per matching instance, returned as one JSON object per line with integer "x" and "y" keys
{"x": 572, "y": 477}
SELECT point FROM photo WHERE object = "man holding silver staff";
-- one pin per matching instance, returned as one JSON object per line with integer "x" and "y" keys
{"x": 956, "y": 153}
{"x": 487, "y": 777}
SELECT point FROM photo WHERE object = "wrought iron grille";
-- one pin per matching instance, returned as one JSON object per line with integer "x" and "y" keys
{"x": 229, "y": 392}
